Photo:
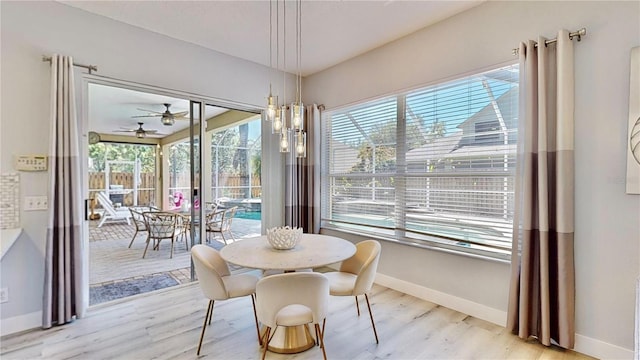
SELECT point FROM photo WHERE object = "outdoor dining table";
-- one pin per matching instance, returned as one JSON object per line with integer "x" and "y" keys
{"x": 312, "y": 251}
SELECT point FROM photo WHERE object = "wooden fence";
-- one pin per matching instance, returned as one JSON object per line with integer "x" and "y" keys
{"x": 232, "y": 186}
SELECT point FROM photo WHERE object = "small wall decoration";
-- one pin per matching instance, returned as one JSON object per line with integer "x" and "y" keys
{"x": 633, "y": 144}
{"x": 9, "y": 201}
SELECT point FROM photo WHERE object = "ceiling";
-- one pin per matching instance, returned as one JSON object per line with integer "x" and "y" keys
{"x": 332, "y": 31}
{"x": 112, "y": 111}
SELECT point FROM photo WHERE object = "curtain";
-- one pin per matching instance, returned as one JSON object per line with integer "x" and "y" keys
{"x": 64, "y": 277}
{"x": 542, "y": 292}
{"x": 302, "y": 179}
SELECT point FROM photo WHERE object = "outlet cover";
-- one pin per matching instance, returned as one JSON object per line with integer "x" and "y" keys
{"x": 33, "y": 203}
{"x": 4, "y": 295}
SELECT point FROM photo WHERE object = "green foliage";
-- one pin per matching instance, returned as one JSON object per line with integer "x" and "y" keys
{"x": 379, "y": 150}
{"x": 101, "y": 152}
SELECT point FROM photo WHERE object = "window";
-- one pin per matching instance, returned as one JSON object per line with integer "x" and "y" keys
{"x": 434, "y": 166}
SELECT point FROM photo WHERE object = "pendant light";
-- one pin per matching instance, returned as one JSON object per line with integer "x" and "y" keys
{"x": 297, "y": 107}
{"x": 269, "y": 113}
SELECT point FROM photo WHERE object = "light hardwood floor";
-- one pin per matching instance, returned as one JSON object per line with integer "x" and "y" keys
{"x": 166, "y": 325}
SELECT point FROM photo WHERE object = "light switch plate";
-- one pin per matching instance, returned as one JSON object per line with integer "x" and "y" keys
{"x": 31, "y": 162}
{"x": 33, "y": 203}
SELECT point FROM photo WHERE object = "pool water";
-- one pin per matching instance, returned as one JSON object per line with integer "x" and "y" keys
{"x": 251, "y": 215}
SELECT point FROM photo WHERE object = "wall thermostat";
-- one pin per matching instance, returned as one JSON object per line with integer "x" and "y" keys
{"x": 31, "y": 163}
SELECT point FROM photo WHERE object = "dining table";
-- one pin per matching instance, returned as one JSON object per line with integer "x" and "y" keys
{"x": 311, "y": 251}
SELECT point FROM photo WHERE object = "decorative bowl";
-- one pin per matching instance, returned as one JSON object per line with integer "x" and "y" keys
{"x": 283, "y": 238}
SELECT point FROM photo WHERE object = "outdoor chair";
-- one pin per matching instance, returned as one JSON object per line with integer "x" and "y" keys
{"x": 111, "y": 213}
{"x": 213, "y": 222}
{"x": 138, "y": 219}
{"x": 160, "y": 226}
{"x": 221, "y": 224}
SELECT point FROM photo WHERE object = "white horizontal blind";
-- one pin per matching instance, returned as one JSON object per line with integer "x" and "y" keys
{"x": 451, "y": 175}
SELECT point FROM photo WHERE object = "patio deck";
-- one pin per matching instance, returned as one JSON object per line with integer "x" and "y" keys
{"x": 110, "y": 259}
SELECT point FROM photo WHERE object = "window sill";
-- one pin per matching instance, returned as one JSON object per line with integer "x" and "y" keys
{"x": 433, "y": 245}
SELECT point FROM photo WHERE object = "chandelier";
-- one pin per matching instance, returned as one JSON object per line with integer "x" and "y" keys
{"x": 274, "y": 112}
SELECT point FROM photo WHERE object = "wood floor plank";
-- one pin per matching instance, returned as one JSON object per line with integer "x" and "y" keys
{"x": 166, "y": 325}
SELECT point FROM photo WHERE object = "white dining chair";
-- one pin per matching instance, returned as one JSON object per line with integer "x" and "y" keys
{"x": 356, "y": 275}
{"x": 217, "y": 283}
{"x": 292, "y": 299}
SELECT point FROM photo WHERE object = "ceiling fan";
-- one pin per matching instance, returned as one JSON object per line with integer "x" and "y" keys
{"x": 140, "y": 132}
{"x": 167, "y": 117}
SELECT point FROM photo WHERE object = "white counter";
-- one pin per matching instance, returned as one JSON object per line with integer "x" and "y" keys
{"x": 8, "y": 237}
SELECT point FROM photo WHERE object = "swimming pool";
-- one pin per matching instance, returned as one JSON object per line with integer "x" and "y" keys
{"x": 251, "y": 215}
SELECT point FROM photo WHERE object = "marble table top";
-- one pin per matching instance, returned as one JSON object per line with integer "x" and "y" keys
{"x": 313, "y": 250}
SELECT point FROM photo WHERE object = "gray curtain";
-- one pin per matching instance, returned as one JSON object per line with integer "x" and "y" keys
{"x": 542, "y": 293}
{"x": 64, "y": 277}
{"x": 302, "y": 179}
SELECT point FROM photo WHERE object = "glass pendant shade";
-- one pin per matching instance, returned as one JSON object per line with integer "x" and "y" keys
{"x": 297, "y": 116}
{"x": 284, "y": 141}
{"x": 276, "y": 124}
{"x": 272, "y": 105}
{"x": 301, "y": 144}
{"x": 140, "y": 135}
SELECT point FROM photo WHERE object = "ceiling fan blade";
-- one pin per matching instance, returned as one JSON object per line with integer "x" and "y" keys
{"x": 151, "y": 132}
{"x": 181, "y": 114}
{"x": 145, "y": 116}
{"x": 151, "y": 111}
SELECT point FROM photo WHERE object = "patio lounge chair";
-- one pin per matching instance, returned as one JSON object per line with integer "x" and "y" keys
{"x": 112, "y": 213}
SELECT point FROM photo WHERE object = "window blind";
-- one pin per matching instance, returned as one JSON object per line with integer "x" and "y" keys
{"x": 435, "y": 165}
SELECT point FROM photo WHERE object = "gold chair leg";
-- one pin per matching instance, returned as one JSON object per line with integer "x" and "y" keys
{"x": 204, "y": 326}
{"x": 255, "y": 316}
{"x": 266, "y": 342}
{"x": 371, "y": 316}
{"x": 324, "y": 353}
{"x": 357, "y": 305}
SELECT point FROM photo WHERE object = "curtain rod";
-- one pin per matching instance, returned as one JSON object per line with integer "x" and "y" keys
{"x": 579, "y": 34}
{"x": 88, "y": 67}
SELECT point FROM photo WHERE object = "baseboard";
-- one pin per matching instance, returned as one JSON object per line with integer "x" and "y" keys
{"x": 584, "y": 345}
{"x": 21, "y": 323}
{"x": 600, "y": 349}
{"x": 465, "y": 306}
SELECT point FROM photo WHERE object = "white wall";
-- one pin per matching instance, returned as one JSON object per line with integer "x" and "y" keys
{"x": 607, "y": 235}
{"x": 33, "y": 29}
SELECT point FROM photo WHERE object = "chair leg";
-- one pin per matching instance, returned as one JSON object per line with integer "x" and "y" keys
{"x": 211, "y": 311}
{"x": 371, "y": 316}
{"x": 223, "y": 238}
{"x": 171, "y": 256}
{"x": 204, "y": 326}
{"x": 133, "y": 238}
{"x": 104, "y": 218}
{"x": 324, "y": 353}
{"x": 255, "y": 316}
{"x": 266, "y": 342}
{"x": 357, "y": 305}
{"x": 146, "y": 247}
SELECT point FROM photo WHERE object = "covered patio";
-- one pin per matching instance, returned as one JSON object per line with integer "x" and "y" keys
{"x": 111, "y": 261}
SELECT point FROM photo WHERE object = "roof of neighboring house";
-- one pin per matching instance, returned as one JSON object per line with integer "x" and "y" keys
{"x": 487, "y": 113}
{"x": 344, "y": 157}
{"x": 436, "y": 149}
{"x": 481, "y": 151}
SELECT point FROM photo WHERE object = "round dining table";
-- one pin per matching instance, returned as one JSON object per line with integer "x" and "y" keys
{"x": 312, "y": 251}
